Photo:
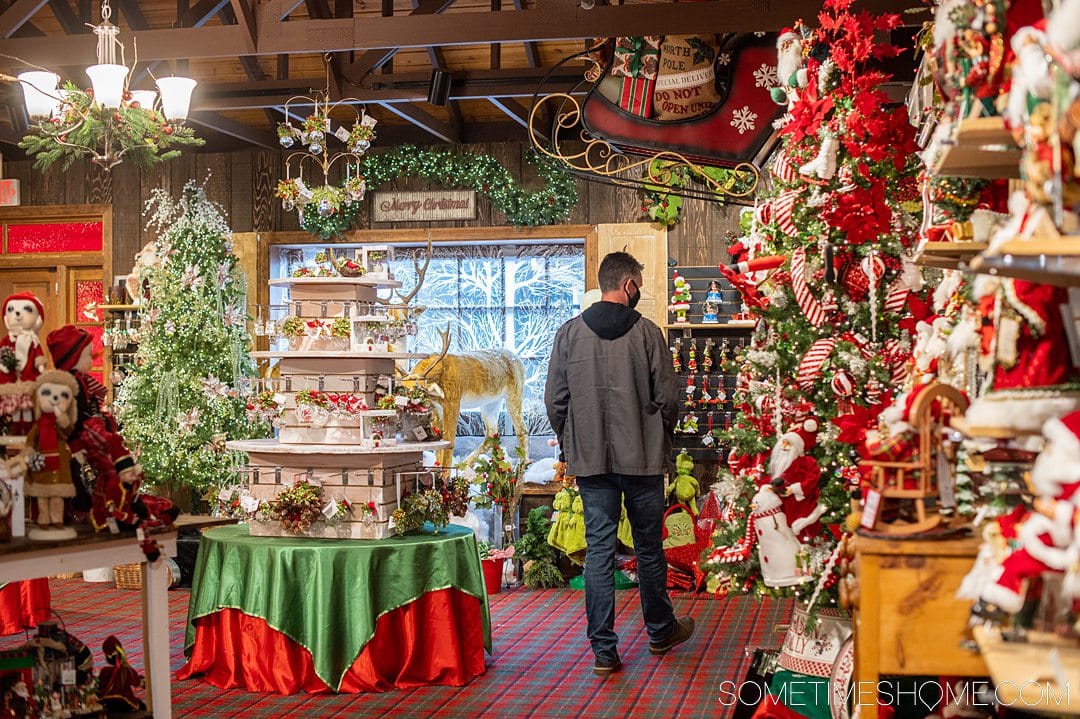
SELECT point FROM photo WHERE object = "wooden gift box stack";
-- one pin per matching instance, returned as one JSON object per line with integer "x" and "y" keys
{"x": 349, "y": 456}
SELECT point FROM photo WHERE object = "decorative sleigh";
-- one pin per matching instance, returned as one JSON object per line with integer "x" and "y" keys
{"x": 737, "y": 133}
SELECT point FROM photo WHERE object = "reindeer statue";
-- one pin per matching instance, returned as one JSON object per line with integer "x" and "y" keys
{"x": 479, "y": 380}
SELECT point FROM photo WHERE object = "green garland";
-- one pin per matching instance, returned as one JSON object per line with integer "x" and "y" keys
{"x": 482, "y": 173}
{"x": 144, "y": 136}
{"x": 458, "y": 168}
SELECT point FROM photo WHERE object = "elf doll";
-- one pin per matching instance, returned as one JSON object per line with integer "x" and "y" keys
{"x": 46, "y": 459}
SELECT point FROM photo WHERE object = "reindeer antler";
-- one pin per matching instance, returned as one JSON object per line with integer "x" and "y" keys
{"x": 420, "y": 272}
{"x": 445, "y": 335}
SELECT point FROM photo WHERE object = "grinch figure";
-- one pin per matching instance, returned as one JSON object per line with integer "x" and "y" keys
{"x": 680, "y": 298}
{"x": 46, "y": 459}
{"x": 684, "y": 488}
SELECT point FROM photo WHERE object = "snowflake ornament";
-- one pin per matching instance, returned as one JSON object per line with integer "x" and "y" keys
{"x": 723, "y": 58}
{"x": 191, "y": 278}
{"x": 744, "y": 119}
{"x": 765, "y": 76}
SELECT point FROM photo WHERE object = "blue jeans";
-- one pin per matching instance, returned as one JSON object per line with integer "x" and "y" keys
{"x": 603, "y": 497}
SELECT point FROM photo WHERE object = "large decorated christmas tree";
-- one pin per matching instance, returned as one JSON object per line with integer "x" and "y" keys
{"x": 824, "y": 267}
{"x": 182, "y": 402}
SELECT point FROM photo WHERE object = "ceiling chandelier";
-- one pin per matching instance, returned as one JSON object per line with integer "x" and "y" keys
{"x": 325, "y": 210}
{"x": 108, "y": 121}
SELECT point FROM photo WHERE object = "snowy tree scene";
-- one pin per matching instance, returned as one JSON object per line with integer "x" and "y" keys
{"x": 514, "y": 297}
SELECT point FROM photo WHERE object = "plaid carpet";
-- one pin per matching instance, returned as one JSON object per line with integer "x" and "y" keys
{"x": 540, "y": 669}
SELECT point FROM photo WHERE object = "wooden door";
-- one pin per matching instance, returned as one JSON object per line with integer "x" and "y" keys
{"x": 647, "y": 243}
{"x": 44, "y": 284}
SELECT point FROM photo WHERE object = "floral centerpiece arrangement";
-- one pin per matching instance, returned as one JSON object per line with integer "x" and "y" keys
{"x": 302, "y": 504}
{"x": 313, "y": 406}
{"x": 266, "y": 406}
{"x": 446, "y": 497}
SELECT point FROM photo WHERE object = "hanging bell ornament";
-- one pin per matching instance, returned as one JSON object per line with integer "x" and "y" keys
{"x": 325, "y": 208}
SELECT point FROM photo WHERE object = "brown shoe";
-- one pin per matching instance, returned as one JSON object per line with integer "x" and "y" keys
{"x": 606, "y": 667}
{"x": 684, "y": 629}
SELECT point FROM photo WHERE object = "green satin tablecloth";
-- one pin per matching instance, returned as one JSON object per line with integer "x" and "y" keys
{"x": 326, "y": 594}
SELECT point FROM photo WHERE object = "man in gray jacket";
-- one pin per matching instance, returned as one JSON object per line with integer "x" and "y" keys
{"x": 612, "y": 398}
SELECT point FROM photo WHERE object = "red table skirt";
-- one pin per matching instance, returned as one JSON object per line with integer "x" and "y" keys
{"x": 436, "y": 639}
{"x": 24, "y": 604}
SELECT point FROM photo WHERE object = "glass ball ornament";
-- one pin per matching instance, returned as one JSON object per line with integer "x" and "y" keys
{"x": 288, "y": 205}
{"x": 315, "y": 148}
{"x": 316, "y": 136}
{"x": 287, "y": 141}
{"x": 361, "y": 147}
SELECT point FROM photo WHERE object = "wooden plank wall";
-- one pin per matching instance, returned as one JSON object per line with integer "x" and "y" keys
{"x": 243, "y": 183}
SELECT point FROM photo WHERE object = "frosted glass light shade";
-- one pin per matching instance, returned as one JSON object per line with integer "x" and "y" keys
{"x": 175, "y": 97}
{"x": 145, "y": 98}
{"x": 39, "y": 93}
{"x": 108, "y": 83}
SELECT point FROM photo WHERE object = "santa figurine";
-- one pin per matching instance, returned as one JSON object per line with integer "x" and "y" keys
{"x": 1023, "y": 342}
{"x": 21, "y": 356}
{"x": 1045, "y": 534}
{"x": 795, "y": 476}
{"x": 46, "y": 458}
{"x": 790, "y": 68}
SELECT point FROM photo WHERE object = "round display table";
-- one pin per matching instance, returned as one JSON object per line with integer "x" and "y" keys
{"x": 23, "y": 605}
{"x": 290, "y": 615}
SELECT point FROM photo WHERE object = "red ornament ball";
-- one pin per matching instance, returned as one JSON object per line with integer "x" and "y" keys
{"x": 167, "y": 130}
{"x": 842, "y": 384}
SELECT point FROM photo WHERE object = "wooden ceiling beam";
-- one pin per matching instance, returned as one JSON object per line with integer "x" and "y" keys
{"x": 554, "y": 20}
{"x": 425, "y": 121}
{"x": 281, "y": 9}
{"x": 513, "y": 109}
{"x": 372, "y": 60}
{"x": 66, "y": 17}
{"x": 245, "y": 18}
{"x": 203, "y": 12}
{"x": 18, "y": 15}
{"x": 225, "y": 126}
{"x": 532, "y": 55}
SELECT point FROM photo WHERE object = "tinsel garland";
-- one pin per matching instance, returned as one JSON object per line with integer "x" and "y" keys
{"x": 482, "y": 173}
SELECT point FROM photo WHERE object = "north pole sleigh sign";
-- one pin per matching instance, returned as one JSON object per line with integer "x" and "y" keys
{"x": 695, "y": 100}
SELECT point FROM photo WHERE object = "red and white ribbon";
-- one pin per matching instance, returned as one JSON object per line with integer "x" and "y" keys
{"x": 896, "y": 297}
{"x": 784, "y": 207}
{"x": 763, "y": 213}
{"x": 896, "y": 359}
{"x": 784, "y": 169}
{"x": 810, "y": 366}
{"x": 815, "y": 313}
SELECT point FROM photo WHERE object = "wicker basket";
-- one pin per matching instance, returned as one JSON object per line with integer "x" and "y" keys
{"x": 128, "y": 576}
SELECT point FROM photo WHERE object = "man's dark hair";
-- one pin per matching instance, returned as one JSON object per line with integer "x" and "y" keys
{"x": 615, "y": 269}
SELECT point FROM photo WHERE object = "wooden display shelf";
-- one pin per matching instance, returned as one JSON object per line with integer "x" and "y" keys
{"x": 982, "y": 147}
{"x": 734, "y": 324}
{"x": 119, "y": 308}
{"x": 949, "y": 255}
{"x": 1052, "y": 261}
{"x": 1023, "y": 675}
{"x": 978, "y": 432}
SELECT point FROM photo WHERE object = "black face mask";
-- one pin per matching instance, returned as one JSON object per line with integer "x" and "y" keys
{"x": 633, "y": 299}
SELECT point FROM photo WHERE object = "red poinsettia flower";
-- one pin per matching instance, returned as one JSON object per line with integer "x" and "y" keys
{"x": 861, "y": 214}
